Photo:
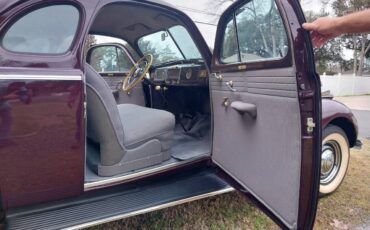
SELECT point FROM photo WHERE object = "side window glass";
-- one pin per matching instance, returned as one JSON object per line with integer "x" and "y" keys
{"x": 260, "y": 33}
{"x": 48, "y": 30}
{"x": 230, "y": 51}
{"x": 110, "y": 59}
{"x": 124, "y": 62}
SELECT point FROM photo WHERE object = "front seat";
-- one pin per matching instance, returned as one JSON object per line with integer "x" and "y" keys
{"x": 126, "y": 137}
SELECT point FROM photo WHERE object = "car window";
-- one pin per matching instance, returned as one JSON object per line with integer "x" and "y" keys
{"x": 161, "y": 46}
{"x": 47, "y": 30}
{"x": 230, "y": 51}
{"x": 174, "y": 44}
{"x": 185, "y": 42}
{"x": 110, "y": 59}
{"x": 258, "y": 31}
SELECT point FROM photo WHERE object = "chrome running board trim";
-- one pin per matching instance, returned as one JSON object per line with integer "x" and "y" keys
{"x": 116, "y": 180}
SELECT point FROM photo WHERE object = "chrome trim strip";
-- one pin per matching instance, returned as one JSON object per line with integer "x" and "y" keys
{"x": 151, "y": 209}
{"x": 41, "y": 77}
{"x": 91, "y": 185}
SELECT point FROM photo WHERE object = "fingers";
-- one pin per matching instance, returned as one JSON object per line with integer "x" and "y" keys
{"x": 309, "y": 26}
{"x": 318, "y": 39}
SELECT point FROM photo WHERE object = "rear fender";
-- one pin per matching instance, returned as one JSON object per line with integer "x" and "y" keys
{"x": 335, "y": 113}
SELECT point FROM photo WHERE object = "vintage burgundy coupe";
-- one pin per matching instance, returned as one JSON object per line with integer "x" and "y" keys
{"x": 92, "y": 135}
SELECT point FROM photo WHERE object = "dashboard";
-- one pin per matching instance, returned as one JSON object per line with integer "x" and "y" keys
{"x": 181, "y": 75}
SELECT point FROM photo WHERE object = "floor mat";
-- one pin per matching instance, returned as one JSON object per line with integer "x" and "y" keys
{"x": 194, "y": 143}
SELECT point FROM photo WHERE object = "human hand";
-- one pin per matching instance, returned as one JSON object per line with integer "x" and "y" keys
{"x": 322, "y": 30}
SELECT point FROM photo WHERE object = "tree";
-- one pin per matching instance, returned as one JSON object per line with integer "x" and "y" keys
{"x": 358, "y": 42}
{"x": 161, "y": 53}
{"x": 90, "y": 41}
{"x": 328, "y": 58}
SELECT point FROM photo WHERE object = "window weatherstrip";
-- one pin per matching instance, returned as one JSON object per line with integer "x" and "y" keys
{"x": 237, "y": 37}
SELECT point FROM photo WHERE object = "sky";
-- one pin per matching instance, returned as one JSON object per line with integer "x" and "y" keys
{"x": 316, "y": 5}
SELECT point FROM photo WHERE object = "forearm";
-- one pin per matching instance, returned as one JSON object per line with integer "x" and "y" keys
{"x": 358, "y": 22}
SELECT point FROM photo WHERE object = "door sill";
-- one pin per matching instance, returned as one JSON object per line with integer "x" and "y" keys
{"x": 110, "y": 181}
{"x": 110, "y": 204}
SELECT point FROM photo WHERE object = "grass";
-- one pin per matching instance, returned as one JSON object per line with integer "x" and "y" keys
{"x": 347, "y": 208}
{"x": 350, "y": 205}
{"x": 229, "y": 211}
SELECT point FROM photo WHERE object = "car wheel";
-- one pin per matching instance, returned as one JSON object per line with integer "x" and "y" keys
{"x": 334, "y": 159}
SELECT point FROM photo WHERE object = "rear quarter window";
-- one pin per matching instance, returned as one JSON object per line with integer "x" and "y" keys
{"x": 46, "y": 30}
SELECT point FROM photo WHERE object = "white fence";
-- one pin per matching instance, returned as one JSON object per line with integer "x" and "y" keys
{"x": 346, "y": 85}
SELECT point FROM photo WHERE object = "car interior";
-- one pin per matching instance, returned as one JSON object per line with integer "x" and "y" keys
{"x": 162, "y": 113}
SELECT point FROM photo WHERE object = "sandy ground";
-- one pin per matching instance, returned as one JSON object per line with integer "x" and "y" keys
{"x": 360, "y": 106}
{"x": 356, "y": 102}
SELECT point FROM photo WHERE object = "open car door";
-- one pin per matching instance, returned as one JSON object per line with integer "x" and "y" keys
{"x": 267, "y": 109}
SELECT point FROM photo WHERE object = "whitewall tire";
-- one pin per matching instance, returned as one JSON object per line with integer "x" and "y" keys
{"x": 334, "y": 159}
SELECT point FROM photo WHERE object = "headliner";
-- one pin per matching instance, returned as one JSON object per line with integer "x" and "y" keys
{"x": 131, "y": 22}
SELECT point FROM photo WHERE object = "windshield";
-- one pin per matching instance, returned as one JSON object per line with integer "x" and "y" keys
{"x": 174, "y": 44}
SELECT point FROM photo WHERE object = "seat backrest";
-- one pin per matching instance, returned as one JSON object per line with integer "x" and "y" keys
{"x": 104, "y": 125}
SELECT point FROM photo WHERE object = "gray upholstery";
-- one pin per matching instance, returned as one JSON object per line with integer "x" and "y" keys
{"x": 262, "y": 153}
{"x": 140, "y": 127}
{"x": 129, "y": 137}
{"x": 104, "y": 124}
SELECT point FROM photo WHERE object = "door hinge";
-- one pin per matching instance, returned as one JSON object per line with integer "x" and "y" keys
{"x": 310, "y": 125}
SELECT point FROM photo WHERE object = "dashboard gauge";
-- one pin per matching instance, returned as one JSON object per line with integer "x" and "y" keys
{"x": 160, "y": 75}
{"x": 189, "y": 74}
{"x": 202, "y": 73}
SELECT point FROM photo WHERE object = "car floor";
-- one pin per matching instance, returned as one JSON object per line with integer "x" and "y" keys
{"x": 192, "y": 137}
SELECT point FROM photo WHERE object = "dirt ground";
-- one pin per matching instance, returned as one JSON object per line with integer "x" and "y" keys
{"x": 348, "y": 208}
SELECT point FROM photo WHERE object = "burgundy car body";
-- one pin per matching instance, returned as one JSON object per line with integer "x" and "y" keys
{"x": 336, "y": 113}
{"x": 44, "y": 162}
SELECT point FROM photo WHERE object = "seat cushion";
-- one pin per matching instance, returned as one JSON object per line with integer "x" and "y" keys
{"x": 141, "y": 124}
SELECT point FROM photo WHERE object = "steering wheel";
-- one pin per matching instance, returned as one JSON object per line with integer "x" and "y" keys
{"x": 137, "y": 73}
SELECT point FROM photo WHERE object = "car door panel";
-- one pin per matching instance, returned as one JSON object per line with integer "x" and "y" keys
{"x": 271, "y": 153}
{"x": 42, "y": 159}
{"x": 251, "y": 153}
{"x": 43, "y": 154}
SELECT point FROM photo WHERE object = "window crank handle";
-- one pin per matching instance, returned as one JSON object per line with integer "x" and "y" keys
{"x": 230, "y": 85}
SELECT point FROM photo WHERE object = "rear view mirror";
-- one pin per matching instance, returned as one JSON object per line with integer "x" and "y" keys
{"x": 163, "y": 36}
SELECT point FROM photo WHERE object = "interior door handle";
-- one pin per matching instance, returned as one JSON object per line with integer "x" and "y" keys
{"x": 230, "y": 85}
{"x": 242, "y": 108}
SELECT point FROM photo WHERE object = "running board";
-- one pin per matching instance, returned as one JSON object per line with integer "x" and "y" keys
{"x": 108, "y": 205}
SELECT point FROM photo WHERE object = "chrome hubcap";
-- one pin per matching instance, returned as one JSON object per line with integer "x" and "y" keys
{"x": 327, "y": 160}
{"x": 330, "y": 161}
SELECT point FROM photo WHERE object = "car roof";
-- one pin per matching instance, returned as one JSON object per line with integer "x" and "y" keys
{"x": 5, "y": 4}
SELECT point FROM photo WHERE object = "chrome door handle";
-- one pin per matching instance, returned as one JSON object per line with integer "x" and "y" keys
{"x": 230, "y": 85}
{"x": 242, "y": 108}
{"x": 217, "y": 76}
